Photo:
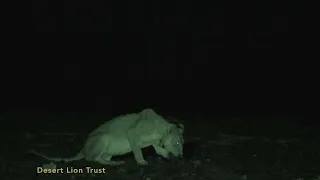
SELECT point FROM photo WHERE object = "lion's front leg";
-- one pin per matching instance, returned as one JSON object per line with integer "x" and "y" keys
{"x": 161, "y": 151}
{"x": 133, "y": 140}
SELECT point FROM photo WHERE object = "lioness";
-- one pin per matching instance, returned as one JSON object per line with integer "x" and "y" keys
{"x": 127, "y": 133}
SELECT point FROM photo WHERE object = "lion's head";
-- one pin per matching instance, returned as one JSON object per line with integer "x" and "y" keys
{"x": 173, "y": 141}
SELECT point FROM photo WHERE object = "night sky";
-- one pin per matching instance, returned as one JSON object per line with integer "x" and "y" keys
{"x": 132, "y": 87}
{"x": 218, "y": 58}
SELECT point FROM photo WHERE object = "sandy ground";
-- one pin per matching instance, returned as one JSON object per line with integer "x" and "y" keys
{"x": 219, "y": 151}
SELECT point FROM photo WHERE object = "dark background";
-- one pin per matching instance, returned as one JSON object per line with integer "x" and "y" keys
{"x": 237, "y": 68}
{"x": 168, "y": 86}
{"x": 217, "y": 58}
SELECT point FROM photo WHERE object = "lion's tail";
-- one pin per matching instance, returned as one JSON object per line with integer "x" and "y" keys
{"x": 77, "y": 157}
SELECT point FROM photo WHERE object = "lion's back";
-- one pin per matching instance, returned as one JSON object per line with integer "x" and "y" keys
{"x": 148, "y": 130}
{"x": 118, "y": 125}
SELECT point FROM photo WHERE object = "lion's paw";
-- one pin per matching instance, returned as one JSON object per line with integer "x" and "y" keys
{"x": 142, "y": 162}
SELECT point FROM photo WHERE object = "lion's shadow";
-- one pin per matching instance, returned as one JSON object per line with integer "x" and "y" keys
{"x": 189, "y": 149}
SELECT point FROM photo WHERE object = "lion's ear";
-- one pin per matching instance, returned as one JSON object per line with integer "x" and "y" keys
{"x": 180, "y": 127}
